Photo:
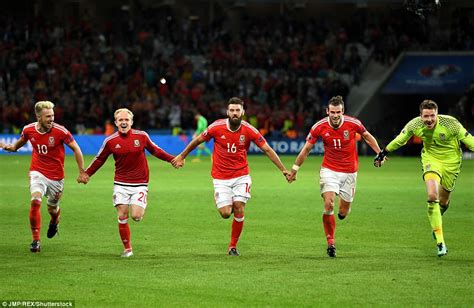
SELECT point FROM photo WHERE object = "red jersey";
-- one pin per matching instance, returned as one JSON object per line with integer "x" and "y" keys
{"x": 131, "y": 166}
{"x": 48, "y": 149}
{"x": 340, "y": 152}
{"x": 229, "y": 158}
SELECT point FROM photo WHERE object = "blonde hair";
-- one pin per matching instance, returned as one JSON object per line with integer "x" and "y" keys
{"x": 122, "y": 110}
{"x": 39, "y": 106}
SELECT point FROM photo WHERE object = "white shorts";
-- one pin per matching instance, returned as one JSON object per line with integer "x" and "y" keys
{"x": 49, "y": 188}
{"x": 343, "y": 184}
{"x": 228, "y": 191}
{"x": 130, "y": 195}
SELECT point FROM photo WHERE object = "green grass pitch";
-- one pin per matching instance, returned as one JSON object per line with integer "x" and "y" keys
{"x": 386, "y": 255}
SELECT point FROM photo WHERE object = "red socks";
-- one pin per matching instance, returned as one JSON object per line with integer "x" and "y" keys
{"x": 124, "y": 231}
{"x": 329, "y": 228}
{"x": 237, "y": 225}
{"x": 35, "y": 219}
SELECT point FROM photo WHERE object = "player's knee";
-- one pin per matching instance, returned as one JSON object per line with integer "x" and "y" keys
{"x": 137, "y": 218}
{"x": 225, "y": 212}
{"x": 53, "y": 208}
{"x": 343, "y": 214}
{"x": 432, "y": 196}
{"x": 225, "y": 215}
{"x": 123, "y": 219}
{"x": 328, "y": 205}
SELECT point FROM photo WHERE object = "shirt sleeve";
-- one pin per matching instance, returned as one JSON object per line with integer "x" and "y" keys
{"x": 99, "y": 160}
{"x": 157, "y": 151}
{"x": 313, "y": 135}
{"x": 361, "y": 129}
{"x": 207, "y": 134}
{"x": 402, "y": 138}
{"x": 24, "y": 135}
{"x": 465, "y": 137}
{"x": 257, "y": 137}
{"x": 68, "y": 138}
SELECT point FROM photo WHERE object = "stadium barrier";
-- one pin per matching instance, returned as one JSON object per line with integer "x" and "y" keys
{"x": 90, "y": 144}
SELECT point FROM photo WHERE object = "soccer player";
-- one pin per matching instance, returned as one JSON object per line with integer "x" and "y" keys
{"x": 230, "y": 170}
{"x": 130, "y": 193}
{"x": 47, "y": 166}
{"x": 338, "y": 172}
{"x": 441, "y": 158}
{"x": 201, "y": 127}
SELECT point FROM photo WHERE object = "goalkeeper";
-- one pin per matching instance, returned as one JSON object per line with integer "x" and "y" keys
{"x": 441, "y": 158}
{"x": 201, "y": 127}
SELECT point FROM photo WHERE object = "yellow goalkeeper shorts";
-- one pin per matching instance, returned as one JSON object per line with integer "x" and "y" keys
{"x": 448, "y": 173}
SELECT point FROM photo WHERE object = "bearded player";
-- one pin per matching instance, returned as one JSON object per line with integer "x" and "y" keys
{"x": 230, "y": 170}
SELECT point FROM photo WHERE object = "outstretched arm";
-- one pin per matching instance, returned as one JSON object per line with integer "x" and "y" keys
{"x": 13, "y": 147}
{"x": 299, "y": 161}
{"x": 83, "y": 177}
{"x": 178, "y": 161}
{"x": 371, "y": 141}
{"x": 274, "y": 158}
{"x": 467, "y": 139}
{"x": 398, "y": 142}
{"x": 77, "y": 155}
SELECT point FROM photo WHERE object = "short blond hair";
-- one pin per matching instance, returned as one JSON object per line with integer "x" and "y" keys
{"x": 122, "y": 110}
{"x": 39, "y": 106}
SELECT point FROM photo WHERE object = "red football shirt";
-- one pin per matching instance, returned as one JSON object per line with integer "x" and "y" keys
{"x": 340, "y": 152}
{"x": 229, "y": 158}
{"x": 48, "y": 149}
{"x": 131, "y": 166}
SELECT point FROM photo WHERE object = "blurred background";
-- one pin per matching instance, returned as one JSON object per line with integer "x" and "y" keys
{"x": 166, "y": 60}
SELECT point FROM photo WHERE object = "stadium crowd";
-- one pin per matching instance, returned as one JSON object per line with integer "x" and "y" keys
{"x": 164, "y": 68}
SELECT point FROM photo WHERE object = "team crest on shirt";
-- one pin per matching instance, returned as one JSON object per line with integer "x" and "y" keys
{"x": 51, "y": 141}
{"x": 346, "y": 134}
{"x": 242, "y": 139}
{"x": 136, "y": 143}
{"x": 442, "y": 137}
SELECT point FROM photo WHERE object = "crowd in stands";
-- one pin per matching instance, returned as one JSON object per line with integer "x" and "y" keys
{"x": 164, "y": 68}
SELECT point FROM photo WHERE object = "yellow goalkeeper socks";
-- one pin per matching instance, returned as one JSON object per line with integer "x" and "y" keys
{"x": 434, "y": 216}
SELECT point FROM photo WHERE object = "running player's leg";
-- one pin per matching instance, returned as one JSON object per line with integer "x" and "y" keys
{"x": 138, "y": 202}
{"x": 124, "y": 228}
{"x": 223, "y": 198}
{"x": 432, "y": 181}
{"x": 121, "y": 200}
{"x": 448, "y": 181}
{"x": 329, "y": 222}
{"x": 444, "y": 200}
{"x": 329, "y": 183}
{"x": 347, "y": 194}
{"x": 344, "y": 208}
{"x": 240, "y": 195}
{"x": 37, "y": 190}
{"x": 54, "y": 193}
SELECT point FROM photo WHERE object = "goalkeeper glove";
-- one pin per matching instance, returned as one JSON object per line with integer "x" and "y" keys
{"x": 379, "y": 159}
